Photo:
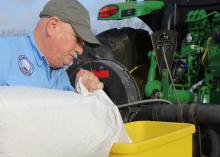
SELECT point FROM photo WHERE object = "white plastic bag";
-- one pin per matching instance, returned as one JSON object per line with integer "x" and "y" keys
{"x": 37, "y": 122}
{"x": 121, "y": 135}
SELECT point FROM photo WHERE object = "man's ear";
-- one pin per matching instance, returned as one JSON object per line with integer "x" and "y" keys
{"x": 52, "y": 25}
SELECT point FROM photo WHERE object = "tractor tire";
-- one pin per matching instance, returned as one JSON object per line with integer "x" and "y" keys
{"x": 127, "y": 46}
{"x": 119, "y": 85}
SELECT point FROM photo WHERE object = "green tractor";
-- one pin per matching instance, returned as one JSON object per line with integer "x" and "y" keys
{"x": 182, "y": 48}
{"x": 170, "y": 72}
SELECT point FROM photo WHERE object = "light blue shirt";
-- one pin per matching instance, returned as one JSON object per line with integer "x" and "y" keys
{"x": 22, "y": 63}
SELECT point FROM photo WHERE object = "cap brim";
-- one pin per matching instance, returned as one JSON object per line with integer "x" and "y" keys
{"x": 86, "y": 35}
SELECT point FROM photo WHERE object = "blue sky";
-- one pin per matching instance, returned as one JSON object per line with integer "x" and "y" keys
{"x": 23, "y": 14}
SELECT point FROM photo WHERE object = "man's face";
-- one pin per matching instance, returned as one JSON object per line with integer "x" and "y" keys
{"x": 64, "y": 42}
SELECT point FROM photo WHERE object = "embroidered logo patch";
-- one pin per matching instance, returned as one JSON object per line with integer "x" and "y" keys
{"x": 26, "y": 67}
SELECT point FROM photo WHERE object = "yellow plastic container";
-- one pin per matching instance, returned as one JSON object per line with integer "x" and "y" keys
{"x": 156, "y": 139}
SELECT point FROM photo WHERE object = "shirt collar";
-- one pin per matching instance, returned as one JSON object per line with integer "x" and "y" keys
{"x": 40, "y": 58}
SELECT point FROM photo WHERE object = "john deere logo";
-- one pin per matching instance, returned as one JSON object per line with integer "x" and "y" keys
{"x": 25, "y": 66}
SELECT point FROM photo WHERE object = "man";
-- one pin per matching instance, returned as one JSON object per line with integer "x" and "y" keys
{"x": 40, "y": 59}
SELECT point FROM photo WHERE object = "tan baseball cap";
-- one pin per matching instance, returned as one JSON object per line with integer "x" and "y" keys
{"x": 74, "y": 13}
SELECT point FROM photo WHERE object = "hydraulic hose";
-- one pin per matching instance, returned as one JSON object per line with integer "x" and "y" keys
{"x": 143, "y": 102}
{"x": 214, "y": 143}
{"x": 195, "y": 113}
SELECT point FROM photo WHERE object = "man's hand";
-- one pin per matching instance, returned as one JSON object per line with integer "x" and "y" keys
{"x": 89, "y": 80}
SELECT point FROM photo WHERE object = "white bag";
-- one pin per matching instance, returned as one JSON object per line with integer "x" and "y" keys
{"x": 121, "y": 135}
{"x": 37, "y": 122}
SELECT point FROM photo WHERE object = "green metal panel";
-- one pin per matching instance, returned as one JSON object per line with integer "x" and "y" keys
{"x": 138, "y": 8}
{"x": 152, "y": 84}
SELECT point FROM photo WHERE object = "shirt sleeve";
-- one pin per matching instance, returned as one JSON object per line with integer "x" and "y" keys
{"x": 63, "y": 82}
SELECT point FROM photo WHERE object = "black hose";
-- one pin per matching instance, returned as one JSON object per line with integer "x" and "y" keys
{"x": 214, "y": 143}
{"x": 199, "y": 114}
{"x": 207, "y": 113}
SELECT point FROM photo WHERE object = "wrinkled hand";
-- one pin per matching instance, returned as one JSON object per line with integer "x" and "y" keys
{"x": 89, "y": 80}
